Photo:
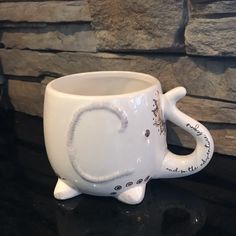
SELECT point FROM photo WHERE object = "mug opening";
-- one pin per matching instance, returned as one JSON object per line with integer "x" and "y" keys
{"x": 105, "y": 83}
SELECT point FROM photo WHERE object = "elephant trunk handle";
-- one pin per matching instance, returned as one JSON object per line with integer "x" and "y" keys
{"x": 183, "y": 165}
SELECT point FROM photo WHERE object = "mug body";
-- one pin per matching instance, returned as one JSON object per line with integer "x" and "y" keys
{"x": 105, "y": 131}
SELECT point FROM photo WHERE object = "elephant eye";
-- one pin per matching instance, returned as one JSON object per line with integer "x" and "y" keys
{"x": 147, "y": 132}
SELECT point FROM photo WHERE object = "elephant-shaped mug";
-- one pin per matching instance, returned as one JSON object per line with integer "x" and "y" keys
{"x": 105, "y": 134}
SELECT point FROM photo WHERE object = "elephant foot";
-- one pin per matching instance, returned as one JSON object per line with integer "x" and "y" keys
{"x": 133, "y": 195}
{"x": 63, "y": 191}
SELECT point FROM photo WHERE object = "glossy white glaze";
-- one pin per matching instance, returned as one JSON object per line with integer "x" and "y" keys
{"x": 113, "y": 142}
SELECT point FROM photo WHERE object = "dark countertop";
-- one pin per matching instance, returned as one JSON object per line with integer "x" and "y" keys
{"x": 202, "y": 204}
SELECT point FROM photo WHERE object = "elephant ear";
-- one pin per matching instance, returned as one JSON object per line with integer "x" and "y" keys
{"x": 96, "y": 143}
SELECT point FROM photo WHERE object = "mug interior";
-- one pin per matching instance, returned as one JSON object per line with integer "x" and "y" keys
{"x": 103, "y": 83}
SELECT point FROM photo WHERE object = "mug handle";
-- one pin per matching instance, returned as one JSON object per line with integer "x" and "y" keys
{"x": 183, "y": 165}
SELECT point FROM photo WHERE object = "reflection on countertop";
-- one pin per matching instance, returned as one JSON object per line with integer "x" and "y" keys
{"x": 203, "y": 204}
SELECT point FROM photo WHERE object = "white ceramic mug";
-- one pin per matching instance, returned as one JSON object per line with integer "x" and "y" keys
{"x": 105, "y": 134}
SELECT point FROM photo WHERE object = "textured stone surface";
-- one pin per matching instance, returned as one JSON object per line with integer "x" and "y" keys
{"x": 26, "y": 97}
{"x": 212, "y": 8}
{"x": 223, "y": 136}
{"x": 139, "y": 25}
{"x": 208, "y": 110}
{"x": 211, "y": 37}
{"x": 211, "y": 30}
{"x": 78, "y": 41}
{"x": 50, "y": 11}
{"x": 207, "y": 77}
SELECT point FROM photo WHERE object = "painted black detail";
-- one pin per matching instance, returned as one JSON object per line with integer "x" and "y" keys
{"x": 139, "y": 181}
{"x": 118, "y": 187}
{"x": 147, "y": 132}
{"x": 147, "y": 178}
{"x": 129, "y": 184}
{"x": 157, "y": 119}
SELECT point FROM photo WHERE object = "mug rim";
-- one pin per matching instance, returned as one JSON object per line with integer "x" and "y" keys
{"x": 153, "y": 82}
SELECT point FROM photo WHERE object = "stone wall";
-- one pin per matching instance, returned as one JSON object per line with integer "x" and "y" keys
{"x": 183, "y": 43}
